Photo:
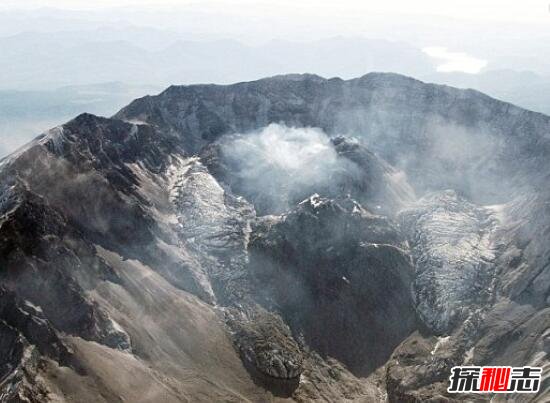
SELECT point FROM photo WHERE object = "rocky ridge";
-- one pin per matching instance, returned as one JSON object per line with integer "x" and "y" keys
{"x": 129, "y": 247}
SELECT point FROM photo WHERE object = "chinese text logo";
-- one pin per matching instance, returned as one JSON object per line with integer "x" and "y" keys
{"x": 495, "y": 380}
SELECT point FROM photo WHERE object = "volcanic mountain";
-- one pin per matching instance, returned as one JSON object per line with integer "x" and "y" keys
{"x": 289, "y": 239}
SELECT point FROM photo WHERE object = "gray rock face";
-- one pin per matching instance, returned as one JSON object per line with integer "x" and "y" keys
{"x": 137, "y": 262}
{"x": 322, "y": 261}
{"x": 214, "y": 226}
{"x": 266, "y": 343}
{"x": 382, "y": 187}
{"x": 34, "y": 237}
{"x": 454, "y": 251}
{"x": 443, "y": 138}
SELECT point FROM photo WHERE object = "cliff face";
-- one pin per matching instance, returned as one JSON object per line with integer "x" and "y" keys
{"x": 441, "y": 136}
{"x": 200, "y": 246}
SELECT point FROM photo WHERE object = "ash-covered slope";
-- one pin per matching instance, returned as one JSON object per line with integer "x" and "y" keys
{"x": 290, "y": 238}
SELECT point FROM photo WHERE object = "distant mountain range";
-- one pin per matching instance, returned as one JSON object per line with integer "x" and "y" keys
{"x": 49, "y": 60}
{"x": 49, "y": 75}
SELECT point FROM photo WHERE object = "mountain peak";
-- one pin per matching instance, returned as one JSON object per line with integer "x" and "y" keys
{"x": 294, "y": 237}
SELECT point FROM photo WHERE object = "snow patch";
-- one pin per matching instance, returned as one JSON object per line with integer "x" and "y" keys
{"x": 441, "y": 342}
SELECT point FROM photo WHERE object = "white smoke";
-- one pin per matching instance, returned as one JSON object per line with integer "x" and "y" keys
{"x": 279, "y": 165}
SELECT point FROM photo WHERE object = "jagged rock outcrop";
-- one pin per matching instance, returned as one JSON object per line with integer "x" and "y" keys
{"x": 321, "y": 262}
{"x": 387, "y": 190}
{"x": 268, "y": 348}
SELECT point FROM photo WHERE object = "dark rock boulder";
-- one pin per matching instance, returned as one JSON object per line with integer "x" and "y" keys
{"x": 268, "y": 349}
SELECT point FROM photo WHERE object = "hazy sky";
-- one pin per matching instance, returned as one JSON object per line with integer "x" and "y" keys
{"x": 46, "y": 44}
{"x": 509, "y": 10}
{"x": 463, "y": 35}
